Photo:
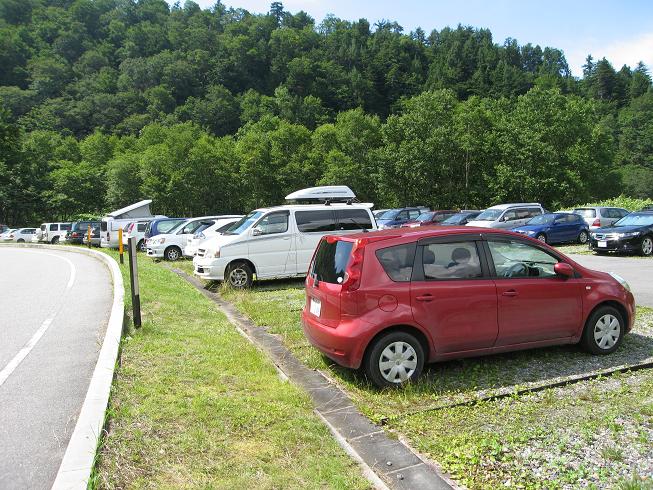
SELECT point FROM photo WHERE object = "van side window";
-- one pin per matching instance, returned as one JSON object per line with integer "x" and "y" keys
{"x": 141, "y": 227}
{"x": 509, "y": 215}
{"x": 312, "y": 221}
{"x": 54, "y": 227}
{"x": 459, "y": 260}
{"x": 397, "y": 261}
{"x": 273, "y": 223}
{"x": 353, "y": 219}
{"x": 66, "y": 226}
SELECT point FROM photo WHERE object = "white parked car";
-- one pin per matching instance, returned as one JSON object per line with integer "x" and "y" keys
{"x": 51, "y": 232}
{"x": 171, "y": 244}
{"x": 208, "y": 229}
{"x": 137, "y": 231}
{"x": 280, "y": 241}
{"x": 507, "y": 216}
{"x": 19, "y": 235}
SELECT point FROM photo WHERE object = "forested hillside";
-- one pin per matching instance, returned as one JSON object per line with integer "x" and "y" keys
{"x": 105, "y": 102}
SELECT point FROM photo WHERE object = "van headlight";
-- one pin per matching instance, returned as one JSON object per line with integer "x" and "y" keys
{"x": 160, "y": 241}
{"x": 620, "y": 280}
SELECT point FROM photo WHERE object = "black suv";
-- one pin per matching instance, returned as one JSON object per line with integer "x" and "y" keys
{"x": 632, "y": 233}
{"x": 78, "y": 231}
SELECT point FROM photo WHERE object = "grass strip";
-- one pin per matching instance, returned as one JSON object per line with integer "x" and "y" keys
{"x": 194, "y": 404}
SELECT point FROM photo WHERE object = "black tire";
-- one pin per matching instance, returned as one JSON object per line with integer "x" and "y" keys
{"x": 55, "y": 240}
{"x": 172, "y": 253}
{"x": 387, "y": 345}
{"x": 609, "y": 320}
{"x": 646, "y": 248}
{"x": 583, "y": 236}
{"x": 20, "y": 240}
{"x": 541, "y": 237}
{"x": 141, "y": 247}
{"x": 239, "y": 275}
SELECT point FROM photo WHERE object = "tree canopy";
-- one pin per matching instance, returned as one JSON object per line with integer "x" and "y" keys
{"x": 210, "y": 110}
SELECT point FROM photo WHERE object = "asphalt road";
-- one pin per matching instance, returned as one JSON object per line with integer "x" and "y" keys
{"x": 637, "y": 271}
{"x": 54, "y": 308}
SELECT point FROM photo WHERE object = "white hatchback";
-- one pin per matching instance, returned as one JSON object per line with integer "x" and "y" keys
{"x": 208, "y": 229}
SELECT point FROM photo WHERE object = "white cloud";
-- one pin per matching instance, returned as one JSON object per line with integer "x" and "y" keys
{"x": 624, "y": 52}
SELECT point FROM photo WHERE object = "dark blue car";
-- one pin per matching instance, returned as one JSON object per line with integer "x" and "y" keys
{"x": 161, "y": 225}
{"x": 394, "y": 218}
{"x": 556, "y": 228}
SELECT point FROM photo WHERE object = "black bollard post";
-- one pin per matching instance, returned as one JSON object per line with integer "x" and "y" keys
{"x": 133, "y": 278}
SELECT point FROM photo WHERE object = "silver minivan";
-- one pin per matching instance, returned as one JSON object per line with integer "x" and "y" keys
{"x": 598, "y": 216}
{"x": 507, "y": 216}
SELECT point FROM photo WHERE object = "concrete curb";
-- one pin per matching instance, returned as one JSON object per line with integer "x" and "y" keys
{"x": 386, "y": 462}
{"x": 79, "y": 459}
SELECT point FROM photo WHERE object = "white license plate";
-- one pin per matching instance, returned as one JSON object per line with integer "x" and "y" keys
{"x": 603, "y": 244}
{"x": 316, "y": 306}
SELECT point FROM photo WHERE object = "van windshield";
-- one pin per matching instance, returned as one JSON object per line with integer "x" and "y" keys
{"x": 244, "y": 223}
{"x": 489, "y": 215}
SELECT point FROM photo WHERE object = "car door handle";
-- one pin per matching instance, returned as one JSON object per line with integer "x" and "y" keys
{"x": 425, "y": 297}
{"x": 510, "y": 292}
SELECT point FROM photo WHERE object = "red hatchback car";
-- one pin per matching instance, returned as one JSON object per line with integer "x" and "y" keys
{"x": 390, "y": 301}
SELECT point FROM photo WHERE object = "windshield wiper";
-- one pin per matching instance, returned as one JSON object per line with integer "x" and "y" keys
{"x": 358, "y": 224}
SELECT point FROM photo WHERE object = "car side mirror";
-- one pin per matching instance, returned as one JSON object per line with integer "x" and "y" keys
{"x": 257, "y": 231}
{"x": 563, "y": 269}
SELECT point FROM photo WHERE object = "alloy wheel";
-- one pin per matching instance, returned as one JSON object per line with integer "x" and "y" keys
{"x": 647, "y": 246}
{"x": 582, "y": 238}
{"x": 238, "y": 277}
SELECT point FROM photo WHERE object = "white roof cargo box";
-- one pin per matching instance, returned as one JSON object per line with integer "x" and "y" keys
{"x": 140, "y": 209}
{"x": 323, "y": 193}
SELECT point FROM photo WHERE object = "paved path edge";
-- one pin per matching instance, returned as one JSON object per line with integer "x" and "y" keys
{"x": 79, "y": 459}
{"x": 386, "y": 462}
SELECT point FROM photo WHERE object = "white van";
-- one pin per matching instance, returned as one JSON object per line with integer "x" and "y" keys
{"x": 507, "y": 216}
{"x": 279, "y": 241}
{"x": 51, "y": 233}
{"x": 170, "y": 245}
{"x": 116, "y": 220}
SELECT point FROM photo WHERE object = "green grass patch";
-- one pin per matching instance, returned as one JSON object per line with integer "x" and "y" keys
{"x": 194, "y": 404}
{"x": 569, "y": 436}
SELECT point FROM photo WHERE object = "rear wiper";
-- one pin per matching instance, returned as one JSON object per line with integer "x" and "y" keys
{"x": 358, "y": 224}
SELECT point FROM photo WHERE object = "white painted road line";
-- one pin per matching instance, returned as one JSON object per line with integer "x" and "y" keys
{"x": 27, "y": 348}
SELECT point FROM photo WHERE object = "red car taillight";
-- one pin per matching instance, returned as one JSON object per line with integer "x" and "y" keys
{"x": 352, "y": 279}
{"x": 597, "y": 222}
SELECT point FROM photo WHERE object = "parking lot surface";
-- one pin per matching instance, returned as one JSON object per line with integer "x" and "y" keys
{"x": 55, "y": 307}
{"x": 637, "y": 271}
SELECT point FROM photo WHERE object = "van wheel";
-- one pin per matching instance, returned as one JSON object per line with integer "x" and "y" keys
{"x": 141, "y": 247}
{"x": 604, "y": 331}
{"x": 172, "y": 253}
{"x": 20, "y": 240}
{"x": 394, "y": 359}
{"x": 582, "y": 237}
{"x": 239, "y": 275}
{"x": 55, "y": 240}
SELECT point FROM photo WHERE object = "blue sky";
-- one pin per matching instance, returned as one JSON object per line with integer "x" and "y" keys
{"x": 622, "y": 31}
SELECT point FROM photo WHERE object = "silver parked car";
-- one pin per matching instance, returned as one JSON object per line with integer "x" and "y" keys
{"x": 507, "y": 216}
{"x": 598, "y": 216}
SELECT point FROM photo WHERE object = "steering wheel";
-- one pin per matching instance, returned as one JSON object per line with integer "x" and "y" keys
{"x": 518, "y": 269}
